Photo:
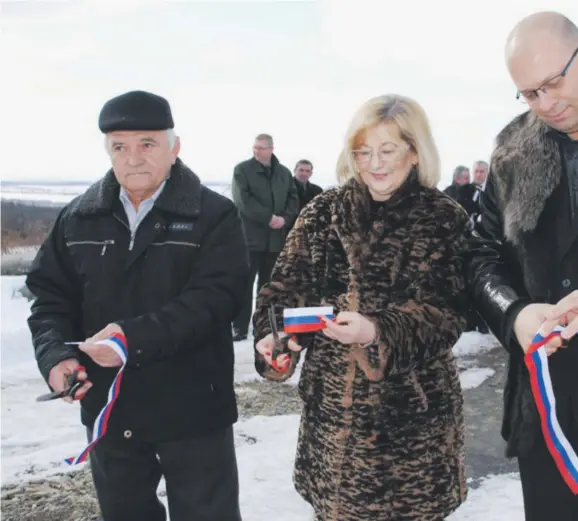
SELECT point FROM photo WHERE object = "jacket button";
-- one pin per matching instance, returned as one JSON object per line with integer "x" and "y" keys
{"x": 139, "y": 351}
{"x": 566, "y": 283}
{"x": 127, "y": 434}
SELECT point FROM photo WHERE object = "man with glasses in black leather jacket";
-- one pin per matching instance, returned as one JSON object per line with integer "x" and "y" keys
{"x": 524, "y": 257}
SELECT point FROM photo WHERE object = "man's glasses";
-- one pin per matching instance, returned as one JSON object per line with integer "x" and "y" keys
{"x": 530, "y": 96}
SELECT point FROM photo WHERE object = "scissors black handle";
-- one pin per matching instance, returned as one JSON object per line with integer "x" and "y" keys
{"x": 73, "y": 385}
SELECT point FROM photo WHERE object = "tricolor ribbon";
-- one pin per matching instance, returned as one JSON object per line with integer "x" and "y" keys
{"x": 305, "y": 320}
{"x": 117, "y": 343}
{"x": 564, "y": 455}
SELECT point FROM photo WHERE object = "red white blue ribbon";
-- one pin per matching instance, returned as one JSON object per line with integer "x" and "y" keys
{"x": 117, "y": 343}
{"x": 305, "y": 320}
{"x": 558, "y": 445}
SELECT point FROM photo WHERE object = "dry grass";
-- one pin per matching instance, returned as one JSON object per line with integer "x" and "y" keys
{"x": 25, "y": 225}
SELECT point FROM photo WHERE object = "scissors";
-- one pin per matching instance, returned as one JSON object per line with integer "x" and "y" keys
{"x": 280, "y": 345}
{"x": 74, "y": 384}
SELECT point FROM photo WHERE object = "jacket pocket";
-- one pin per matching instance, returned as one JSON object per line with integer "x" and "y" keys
{"x": 179, "y": 256}
{"x": 176, "y": 243}
{"x": 403, "y": 397}
{"x": 103, "y": 245}
{"x": 310, "y": 386}
{"x": 421, "y": 394}
{"x": 88, "y": 257}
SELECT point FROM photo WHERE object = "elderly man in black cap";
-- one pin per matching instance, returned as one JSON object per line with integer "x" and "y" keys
{"x": 150, "y": 254}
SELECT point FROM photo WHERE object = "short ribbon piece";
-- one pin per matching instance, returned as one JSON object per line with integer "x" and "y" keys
{"x": 305, "y": 320}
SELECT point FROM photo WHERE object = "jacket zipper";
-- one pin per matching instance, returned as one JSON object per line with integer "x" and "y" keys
{"x": 97, "y": 243}
{"x": 132, "y": 235}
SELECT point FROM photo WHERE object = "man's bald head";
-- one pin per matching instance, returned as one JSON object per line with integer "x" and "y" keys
{"x": 548, "y": 24}
{"x": 541, "y": 54}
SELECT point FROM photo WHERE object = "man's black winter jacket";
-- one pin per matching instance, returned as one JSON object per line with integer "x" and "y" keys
{"x": 174, "y": 292}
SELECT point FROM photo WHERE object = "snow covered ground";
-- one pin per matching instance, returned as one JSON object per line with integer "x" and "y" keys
{"x": 36, "y": 437}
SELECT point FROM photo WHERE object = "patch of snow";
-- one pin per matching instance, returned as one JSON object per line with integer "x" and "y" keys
{"x": 474, "y": 377}
{"x": 473, "y": 343}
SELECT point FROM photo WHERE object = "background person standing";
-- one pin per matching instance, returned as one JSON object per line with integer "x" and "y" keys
{"x": 265, "y": 194}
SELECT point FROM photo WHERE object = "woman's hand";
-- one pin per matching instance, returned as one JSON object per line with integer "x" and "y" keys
{"x": 350, "y": 328}
{"x": 265, "y": 348}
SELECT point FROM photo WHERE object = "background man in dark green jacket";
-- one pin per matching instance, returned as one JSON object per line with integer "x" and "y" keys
{"x": 266, "y": 196}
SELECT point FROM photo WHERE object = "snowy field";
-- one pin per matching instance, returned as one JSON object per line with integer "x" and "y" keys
{"x": 59, "y": 193}
{"x": 42, "y": 193}
{"x": 36, "y": 437}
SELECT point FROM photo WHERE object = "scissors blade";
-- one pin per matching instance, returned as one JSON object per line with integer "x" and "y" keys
{"x": 51, "y": 396}
{"x": 273, "y": 324}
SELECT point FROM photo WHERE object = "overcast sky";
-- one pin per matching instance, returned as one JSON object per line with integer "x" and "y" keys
{"x": 231, "y": 70}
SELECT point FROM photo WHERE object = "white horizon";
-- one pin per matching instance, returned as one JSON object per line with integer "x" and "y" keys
{"x": 296, "y": 70}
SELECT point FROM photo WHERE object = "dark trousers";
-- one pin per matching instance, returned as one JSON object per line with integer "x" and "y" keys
{"x": 547, "y": 497}
{"x": 261, "y": 266}
{"x": 200, "y": 473}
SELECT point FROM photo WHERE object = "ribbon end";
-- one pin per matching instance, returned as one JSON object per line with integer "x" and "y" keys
{"x": 118, "y": 343}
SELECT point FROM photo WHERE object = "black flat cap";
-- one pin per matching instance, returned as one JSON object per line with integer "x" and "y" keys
{"x": 135, "y": 110}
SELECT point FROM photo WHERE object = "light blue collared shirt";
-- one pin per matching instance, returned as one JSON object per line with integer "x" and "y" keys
{"x": 135, "y": 217}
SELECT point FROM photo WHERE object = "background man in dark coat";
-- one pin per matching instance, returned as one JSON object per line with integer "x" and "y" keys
{"x": 266, "y": 196}
{"x": 306, "y": 190}
{"x": 149, "y": 252}
{"x": 525, "y": 258}
{"x": 480, "y": 172}
{"x": 466, "y": 194}
{"x": 480, "y": 176}
{"x": 462, "y": 190}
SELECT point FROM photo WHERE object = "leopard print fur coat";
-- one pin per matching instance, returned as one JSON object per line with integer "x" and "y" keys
{"x": 382, "y": 433}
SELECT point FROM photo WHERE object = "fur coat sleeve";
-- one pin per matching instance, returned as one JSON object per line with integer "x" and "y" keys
{"x": 291, "y": 286}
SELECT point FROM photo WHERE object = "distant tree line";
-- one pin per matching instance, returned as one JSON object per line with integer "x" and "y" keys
{"x": 25, "y": 224}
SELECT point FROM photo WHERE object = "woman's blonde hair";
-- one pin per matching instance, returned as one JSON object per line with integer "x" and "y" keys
{"x": 413, "y": 125}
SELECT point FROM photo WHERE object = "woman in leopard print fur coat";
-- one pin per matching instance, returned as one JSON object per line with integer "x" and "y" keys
{"x": 382, "y": 432}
